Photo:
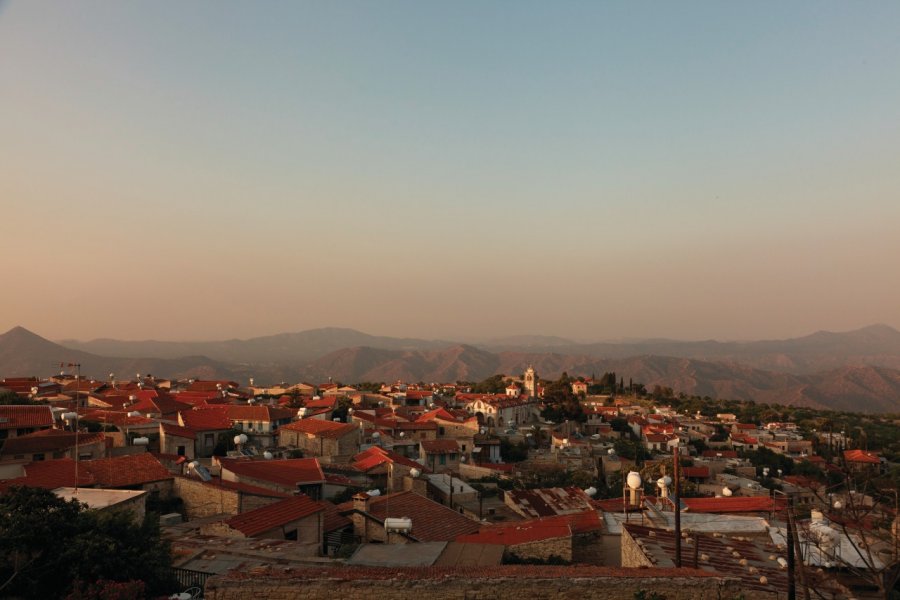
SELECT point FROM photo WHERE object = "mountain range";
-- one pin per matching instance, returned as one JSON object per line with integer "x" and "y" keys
{"x": 855, "y": 370}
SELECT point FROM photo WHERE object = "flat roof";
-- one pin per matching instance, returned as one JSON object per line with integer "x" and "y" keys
{"x": 98, "y": 498}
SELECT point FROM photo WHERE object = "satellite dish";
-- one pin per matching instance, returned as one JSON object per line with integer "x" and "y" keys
{"x": 268, "y": 455}
{"x": 240, "y": 439}
{"x": 726, "y": 491}
{"x": 373, "y": 493}
{"x": 376, "y": 435}
{"x": 591, "y": 491}
{"x": 414, "y": 472}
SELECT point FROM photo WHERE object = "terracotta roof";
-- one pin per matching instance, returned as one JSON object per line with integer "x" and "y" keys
{"x": 122, "y": 471}
{"x": 732, "y": 504}
{"x": 163, "y": 405}
{"x": 48, "y": 440}
{"x": 320, "y": 428}
{"x": 114, "y": 417}
{"x": 177, "y": 431}
{"x": 440, "y": 446}
{"x": 51, "y": 474}
{"x": 744, "y": 559}
{"x": 334, "y": 519}
{"x": 546, "y": 502}
{"x": 274, "y": 515}
{"x": 257, "y": 413}
{"x": 375, "y": 456}
{"x": 14, "y": 416}
{"x": 195, "y": 398}
{"x": 697, "y": 472}
{"x": 431, "y": 522}
{"x": 206, "y": 419}
{"x": 438, "y": 413}
{"x": 211, "y": 385}
{"x": 860, "y": 456}
{"x": 520, "y": 532}
{"x": 287, "y": 473}
{"x": 329, "y": 402}
{"x": 717, "y": 453}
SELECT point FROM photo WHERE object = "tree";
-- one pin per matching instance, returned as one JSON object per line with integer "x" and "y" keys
{"x": 859, "y": 536}
{"x": 10, "y": 397}
{"x": 496, "y": 384}
{"x": 41, "y": 534}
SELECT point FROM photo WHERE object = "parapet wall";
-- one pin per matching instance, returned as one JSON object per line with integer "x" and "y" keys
{"x": 497, "y": 583}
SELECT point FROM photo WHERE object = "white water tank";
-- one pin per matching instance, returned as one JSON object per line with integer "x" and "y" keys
{"x": 633, "y": 480}
{"x": 140, "y": 441}
{"x": 398, "y": 524}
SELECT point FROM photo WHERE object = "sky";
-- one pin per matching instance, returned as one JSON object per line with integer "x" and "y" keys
{"x": 462, "y": 170}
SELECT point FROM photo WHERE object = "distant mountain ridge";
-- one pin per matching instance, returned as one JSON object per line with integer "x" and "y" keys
{"x": 847, "y": 371}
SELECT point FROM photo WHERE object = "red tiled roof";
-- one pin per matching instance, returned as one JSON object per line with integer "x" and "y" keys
{"x": 287, "y": 473}
{"x": 122, "y": 471}
{"x": 257, "y": 413}
{"x": 440, "y": 446}
{"x": 51, "y": 474}
{"x": 438, "y": 413}
{"x": 375, "y": 456}
{"x": 431, "y": 522}
{"x": 860, "y": 456}
{"x": 211, "y": 385}
{"x": 520, "y": 532}
{"x": 334, "y": 519}
{"x": 15, "y": 416}
{"x": 731, "y": 504}
{"x": 329, "y": 402}
{"x": 206, "y": 419}
{"x": 698, "y": 472}
{"x": 717, "y": 453}
{"x": 177, "y": 431}
{"x": 114, "y": 417}
{"x": 163, "y": 405}
{"x": 320, "y": 428}
{"x": 547, "y": 502}
{"x": 274, "y": 515}
{"x": 48, "y": 440}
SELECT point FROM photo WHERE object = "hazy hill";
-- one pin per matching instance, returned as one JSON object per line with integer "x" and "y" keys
{"x": 455, "y": 363}
{"x": 876, "y": 345}
{"x": 283, "y": 348}
{"x": 838, "y": 370}
{"x": 23, "y": 353}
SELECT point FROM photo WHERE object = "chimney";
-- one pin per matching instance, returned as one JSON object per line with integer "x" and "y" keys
{"x": 361, "y": 502}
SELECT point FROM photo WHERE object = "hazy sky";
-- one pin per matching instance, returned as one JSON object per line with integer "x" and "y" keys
{"x": 204, "y": 170}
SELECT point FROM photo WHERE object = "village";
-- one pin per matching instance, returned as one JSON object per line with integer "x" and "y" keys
{"x": 260, "y": 487}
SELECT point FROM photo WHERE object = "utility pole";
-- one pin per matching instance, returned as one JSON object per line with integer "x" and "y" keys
{"x": 677, "y": 510}
{"x": 792, "y": 588}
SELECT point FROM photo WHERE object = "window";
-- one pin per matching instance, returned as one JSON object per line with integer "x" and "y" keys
{"x": 180, "y": 450}
{"x": 37, "y": 457}
{"x": 209, "y": 440}
{"x": 443, "y": 459}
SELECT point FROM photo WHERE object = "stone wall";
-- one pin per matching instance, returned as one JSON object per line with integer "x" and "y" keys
{"x": 500, "y": 583}
{"x": 205, "y": 500}
{"x": 201, "y": 500}
{"x": 544, "y": 549}
{"x": 632, "y": 555}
